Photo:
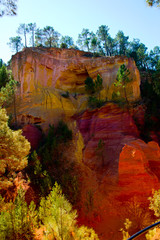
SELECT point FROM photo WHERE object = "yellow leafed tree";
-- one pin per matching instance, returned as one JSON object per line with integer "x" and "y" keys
{"x": 14, "y": 149}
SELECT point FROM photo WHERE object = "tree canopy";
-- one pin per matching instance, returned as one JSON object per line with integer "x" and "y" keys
{"x": 8, "y": 7}
{"x": 14, "y": 149}
{"x": 153, "y": 3}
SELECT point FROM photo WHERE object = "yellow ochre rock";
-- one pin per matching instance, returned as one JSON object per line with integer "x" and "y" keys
{"x": 52, "y": 78}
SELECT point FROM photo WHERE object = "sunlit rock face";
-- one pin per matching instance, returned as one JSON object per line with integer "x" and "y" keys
{"x": 139, "y": 169}
{"x": 105, "y": 132}
{"x": 67, "y": 69}
{"x": 45, "y": 74}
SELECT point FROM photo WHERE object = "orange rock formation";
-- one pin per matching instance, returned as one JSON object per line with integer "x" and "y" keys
{"x": 46, "y": 74}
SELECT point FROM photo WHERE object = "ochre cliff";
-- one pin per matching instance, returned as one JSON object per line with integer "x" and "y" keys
{"x": 67, "y": 69}
{"x": 46, "y": 74}
{"x": 105, "y": 132}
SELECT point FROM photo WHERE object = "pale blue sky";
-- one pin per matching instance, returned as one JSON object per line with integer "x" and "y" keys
{"x": 133, "y": 17}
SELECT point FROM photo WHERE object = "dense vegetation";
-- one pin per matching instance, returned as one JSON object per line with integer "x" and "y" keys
{"x": 54, "y": 216}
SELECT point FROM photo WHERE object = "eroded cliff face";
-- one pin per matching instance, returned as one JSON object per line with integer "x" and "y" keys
{"x": 67, "y": 69}
{"x": 46, "y": 74}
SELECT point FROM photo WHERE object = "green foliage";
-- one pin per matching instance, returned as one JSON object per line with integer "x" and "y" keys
{"x": 63, "y": 45}
{"x": 17, "y": 220}
{"x": 94, "y": 88}
{"x": 122, "y": 76}
{"x": 59, "y": 219}
{"x": 104, "y": 38}
{"x": 15, "y": 43}
{"x": 50, "y": 36}
{"x": 153, "y": 3}
{"x": 66, "y": 42}
{"x": 50, "y": 166}
{"x": 23, "y": 29}
{"x": 8, "y": 7}
{"x": 121, "y": 43}
{"x": 56, "y": 214}
{"x": 14, "y": 149}
{"x": 123, "y": 79}
{"x": 4, "y": 76}
{"x": 85, "y": 233}
{"x": 31, "y": 27}
{"x": 89, "y": 85}
{"x": 84, "y": 39}
{"x": 65, "y": 95}
{"x": 93, "y": 102}
{"x": 40, "y": 176}
{"x": 98, "y": 85}
{"x": 7, "y": 93}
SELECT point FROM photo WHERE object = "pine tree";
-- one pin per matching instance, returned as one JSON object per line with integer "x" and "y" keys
{"x": 123, "y": 79}
{"x": 14, "y": 149}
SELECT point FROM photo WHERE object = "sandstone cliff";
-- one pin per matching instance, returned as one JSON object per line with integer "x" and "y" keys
{"x": 46, "y": 74}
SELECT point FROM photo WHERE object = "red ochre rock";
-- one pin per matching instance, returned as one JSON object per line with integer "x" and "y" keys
{"x": 139, "y": 170}
{"x": 105, "y": 131}
{"x": 32, "y": 134}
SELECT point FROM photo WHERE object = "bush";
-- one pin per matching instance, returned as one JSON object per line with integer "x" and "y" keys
{"x": 93, "y": 102}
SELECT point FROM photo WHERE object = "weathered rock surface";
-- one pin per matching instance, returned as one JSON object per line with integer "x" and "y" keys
{"x": 67, "y": 69}
{"x": 46, "y": 74}
{"x": 33, "y": 135}
{"x": 139, "y": 169}
{"x": 105, "y": 132}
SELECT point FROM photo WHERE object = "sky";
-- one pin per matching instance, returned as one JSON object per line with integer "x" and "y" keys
{"x": 69, "y": 17}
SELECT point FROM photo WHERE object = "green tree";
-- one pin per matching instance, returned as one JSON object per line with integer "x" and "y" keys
{"x": 23, "y": 29}
{"x": 121, "y": 43}
{"x": 50, "y": 36}
{"x": 7, "y": 95}
{"x": 4, "y": 76}
{"x": 15, "y": 43}
{"x": 89, "y": 86}
{"x": 1, "y": 62}
{"x": 123, "y": 79}
{"x": 142, "y": 56}
{"x": 94, "y": 43}
{"x": 98, "y": 85}
{"x": 59, "y": 219}
{"x": 8, "y": 7}
{"x": 84, "y": 39}
{"x": 66, "y": 41}
{"x": 17, "y": 220}
{"x": 94, "y": 88}
{"x": 153, "y": 3}
{"x": 103, "y": 36}
{"x": 32, "y": 29}
{"x": 39, "y": 37}
{"x": 14, "y": 149}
